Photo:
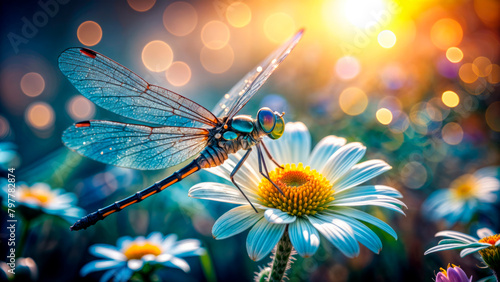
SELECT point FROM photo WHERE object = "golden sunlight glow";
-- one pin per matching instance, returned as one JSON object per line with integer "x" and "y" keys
{"x": 363, "y": 12}
{"x": 180, "y": 18}
{"x": 40, "y": 116}
{"x": 178, "y": 74}
{"x": 238, "y": 14}
{"x": 347, "y": 67}
{"x": 466, "y": 73}
{"x": 141, "y": 5}
{"x": 80, "y": 108}
{"x": 353, "y": 101}
{"x": 384, "y": 116}
{"x": 482, "y": 66}
{"x": 278, "y": 27}
{"x": 452, "y": 133}
{"x": 215, "y": 34}
{"x": 450, "y": 99}
{"x": 454, "y": 54}
{"x": 386, "y": 39}
{"x": 217, "y": 61}
{"x": 157, "y": 56}
{"x": 494, "y": 76}
{"x": 89, "y": 33}
{"x": 32, "y": 84}
{"x": 446, "y": 33}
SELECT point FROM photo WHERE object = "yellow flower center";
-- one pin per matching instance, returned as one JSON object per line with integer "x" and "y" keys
{"x": 306, "y": 191}
{"x": 464, "y": 187}
{"x": 40, "y": 196}
{"x": 136, "y": 250}
{"x": 491, "y": 255}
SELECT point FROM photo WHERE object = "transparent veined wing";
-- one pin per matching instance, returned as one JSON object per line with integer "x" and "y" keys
{"x": 135, "y": 146}
{"x": 116, "y": 88}
{"x": 242, "y": 92}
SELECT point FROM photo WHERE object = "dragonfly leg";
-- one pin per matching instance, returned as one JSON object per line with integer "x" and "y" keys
{"x": 235, "y": 170}
{"x": 271, "y": 156}
{"x": 262, "y": 163}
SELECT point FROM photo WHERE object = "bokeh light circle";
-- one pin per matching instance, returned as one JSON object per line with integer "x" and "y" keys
{"x": 384, "y": 116}
{"x": 446, "y": 33}
{"x": 494, "y": 76}
{"x": 278, "y": 27}
{"x": 80, "y": 108}
{"x": 178, "y": 74}
{"x": 454, "y": 54}
{"x": 215, "y": 35}
{"x": 452, "y": 133}
{"x": 493, "y": 116}
{"x": 238, "y": 14}
{"x": 413, "y": 175}
{"x": 450, "y": 99}
{"x": 32, "y": 84}
{"x": 467, "y": 73}
{"x": 141, "y": 5}
{"x": 353, "y": 101}
{"x": 180, "y": 18}
{"x": 347, "y": 67}
{"x": 4, "y": 127}
{"x": 40, "y": 115}
{"x": 386, "y": 39}
{"x": 89, "y": 33}
{"x": 157, "y": 56}
{"x": 217, "y": 61}
{"x": 482, "y": 66}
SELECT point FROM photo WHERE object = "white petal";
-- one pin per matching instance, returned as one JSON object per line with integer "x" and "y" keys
{"x": 363, "y": 216}
{"x": 343, "y": 160}
{"x": 135, "y": 264}
{"x": 185, "y": 247}
{"x": 338, "y": 232}
{"x": 106, "y": 251}
{"x": 98, "y": 265}
{"x": 445, "y": 247}
{"x": 304, "y": 237}
{"x": 363, "y": 234}
{"x": 368, "y": 190}
{"x": 155, "y": 237}
{"x": 361, "y": 173}
{"x": 484, "y": 232}
{"x": 278, "y": 216}
{"x": 178, "y": 263}
{"x": 218, "y": 192}
{"x": 299, "y": 141}
{"x": 168, "y": 242}
{"x": 457, "y": 235}
{"x": 469, "y": 251}
{"x": 262, "y": 238}
{"x": 235, "y": 221}
{"x": 324, "y": 150}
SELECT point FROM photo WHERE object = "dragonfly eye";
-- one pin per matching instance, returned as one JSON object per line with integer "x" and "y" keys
{"x": 266, "y": 119}
{"x": 279, "y": 128}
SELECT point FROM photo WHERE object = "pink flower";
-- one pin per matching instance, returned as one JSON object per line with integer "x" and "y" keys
{"x": 452, "y": 274}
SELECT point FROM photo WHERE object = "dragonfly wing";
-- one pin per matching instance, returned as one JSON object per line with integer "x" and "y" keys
{"x": 116, "y": 88}
{"x": 135, "y": 146}
{"x": 242, "y": 92}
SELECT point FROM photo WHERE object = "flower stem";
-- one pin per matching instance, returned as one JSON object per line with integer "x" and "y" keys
{"x": 282, "y": 258}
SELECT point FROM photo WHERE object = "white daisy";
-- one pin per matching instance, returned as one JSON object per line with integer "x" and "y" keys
{"x": 131, "y": 255}
{"x": 467, "y": 195}
{"x": 321, "y": 196}
{"x": 39, "y": 198}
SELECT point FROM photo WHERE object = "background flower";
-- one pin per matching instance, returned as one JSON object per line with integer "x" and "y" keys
{"x": 452, "y": 274}
{"x": 323, "y": 198}
{"x": 141, "y": 255}
{"x": 467, "y": 195}
{"x": 39, "y": 198}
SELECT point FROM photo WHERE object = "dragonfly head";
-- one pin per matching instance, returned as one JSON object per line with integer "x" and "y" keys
{"x": 270, "y": 123}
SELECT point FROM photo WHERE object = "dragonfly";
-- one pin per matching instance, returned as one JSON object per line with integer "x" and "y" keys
{"x": 181, "y": 129}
